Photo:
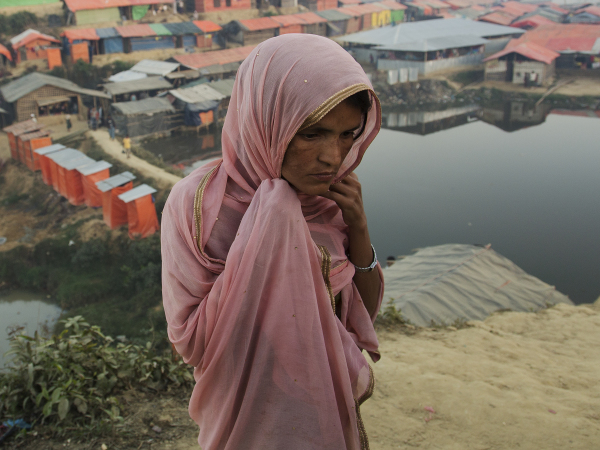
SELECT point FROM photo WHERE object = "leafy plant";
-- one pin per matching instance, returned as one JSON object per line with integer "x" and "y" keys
{"x": 390, "y": 315}
{"x": 74, "y": 378}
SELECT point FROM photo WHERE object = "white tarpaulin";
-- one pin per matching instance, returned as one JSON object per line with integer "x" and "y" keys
{"x": 458, "y": 281}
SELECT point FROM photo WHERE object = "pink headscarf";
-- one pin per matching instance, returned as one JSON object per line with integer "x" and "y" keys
{"x": 251, "y": 267}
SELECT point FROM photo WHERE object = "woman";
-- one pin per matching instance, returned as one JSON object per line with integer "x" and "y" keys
{"x": 260, "y": 289}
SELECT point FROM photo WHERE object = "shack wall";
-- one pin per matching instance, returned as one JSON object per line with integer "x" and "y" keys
{"x": 97, "y": 15}
{"x": 523, "y": 67}
{"x": 26, "y": 106}
{"x": 495, "y": 70}
{"x": 256, "y": 37}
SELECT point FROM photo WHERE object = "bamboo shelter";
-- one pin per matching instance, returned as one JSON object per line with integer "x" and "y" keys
{"x": 90, "y": 175}
{"x": 27, "y": 143}
{"x": 114, "y": 210}
{"x": 141, "y": 212}
{"x": 43, "y": 154}
{"x": 70, "y": 178}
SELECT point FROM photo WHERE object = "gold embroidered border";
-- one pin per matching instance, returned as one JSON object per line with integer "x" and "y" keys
{"x": 198, "y": 209}
{"x": 331, "y": 103}
{"x": 362, "y": 432}
{"x": 326, "y": 270}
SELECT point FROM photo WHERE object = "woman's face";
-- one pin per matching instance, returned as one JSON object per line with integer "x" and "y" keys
{"x": 315, "y": 154}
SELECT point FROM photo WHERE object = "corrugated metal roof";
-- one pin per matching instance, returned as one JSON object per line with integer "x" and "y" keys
{"x": 182, "y": 28}
{"x": 333, "y": 15}
{"x": 78, "y": 5}
{"x": 261, "y": 23}
{"x": 115, "y": 181}
{"x": 562, "y": 37}
{"x": 32, "y": 37}
{"x": 137, "y": 192}
{"x": 428, "y": 29}
{"x": 33, "y": 81}
{"x": 531, "y": 22}
{"x": 431, "y": 45}
{"x": 205, "y": 59}
{"x": 160, "y": 29}
{"x": 207, "y": 26}
{"x": 104, "y": 33}
{"x": 66, "y": 154}
{"x": 289, "y": 19}
{"x": 498, "y": 17}
{"x": 152, "y": 67}
{"x": 144, "y": 84}
{"x": 34, "y": 135}
{"x": 49, "y": 149}
{"x": 71, "y": 164}
{"x": 146, "y": 106}
{"x": 94, "y": 167}
{"x": 141, "y": 30}
{"x": 126, "y": 75}
{"x": 225, "y": 87}
{"x": 310, "y": 18}
{"x": 26, "y": 126}
{"x": 529, "y": 50}
{"x": 197, "y": 94}
{"x": 86, "y": 34}
{"x": 217, "y": 69}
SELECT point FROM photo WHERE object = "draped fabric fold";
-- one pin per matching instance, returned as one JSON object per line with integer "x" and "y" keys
{"x": 246, "y": 295}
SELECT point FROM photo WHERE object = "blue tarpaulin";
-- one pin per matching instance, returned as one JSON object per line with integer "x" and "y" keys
{"x": 192, "y": 110}
{"x": 113, "y": 45}
{"x": 152, "y": 42}
{"x": 189, "y": 41}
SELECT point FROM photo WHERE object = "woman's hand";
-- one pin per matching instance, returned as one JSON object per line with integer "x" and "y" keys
{"x": 347, "y": 194}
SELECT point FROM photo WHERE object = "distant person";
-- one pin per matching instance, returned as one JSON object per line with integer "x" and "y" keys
{"x": 68, "y": 120}
{"x": 111, "y": 128}
{"x": 33, "y": 118}
{"x": 133, "y": 98}
{"x": 195, "y": 15}
{"x": 127, "y": 146}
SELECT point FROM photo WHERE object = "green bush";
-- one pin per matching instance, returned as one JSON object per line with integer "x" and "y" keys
{"x": 17, "y": 23}
{"x": 73, "y": 379}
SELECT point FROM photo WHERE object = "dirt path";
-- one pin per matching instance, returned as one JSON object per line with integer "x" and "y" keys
{"x": 115, "y": 150}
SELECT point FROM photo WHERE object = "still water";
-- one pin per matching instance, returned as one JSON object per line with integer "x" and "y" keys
{"x": 24, "y": 309}
{"x": 532, "y": 191}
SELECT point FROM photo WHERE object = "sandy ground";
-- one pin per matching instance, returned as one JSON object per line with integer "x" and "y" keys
{"x": 515, "y": 381}
{"x": 115, "y": 150}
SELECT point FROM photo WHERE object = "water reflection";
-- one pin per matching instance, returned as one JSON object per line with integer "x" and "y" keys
{"x": 515, "y": 115}
{"x": 24, "y": 311}
{"x": 427, "y": 122}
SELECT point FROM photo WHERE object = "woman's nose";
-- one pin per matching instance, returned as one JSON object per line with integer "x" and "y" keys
{"x": 333, "y": 153}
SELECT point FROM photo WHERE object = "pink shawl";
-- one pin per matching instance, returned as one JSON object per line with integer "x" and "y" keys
{"x": 251, "y": 268}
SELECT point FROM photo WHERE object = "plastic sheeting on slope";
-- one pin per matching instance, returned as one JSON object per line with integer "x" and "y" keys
{"x": 457, "y": 281}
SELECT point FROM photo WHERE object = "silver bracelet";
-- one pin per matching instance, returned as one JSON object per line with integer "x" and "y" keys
{"x": 371, "y": 267}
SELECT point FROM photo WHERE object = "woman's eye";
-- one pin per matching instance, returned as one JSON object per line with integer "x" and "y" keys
{"x": 310, "y": 135}
{"x": 348, "y": 134}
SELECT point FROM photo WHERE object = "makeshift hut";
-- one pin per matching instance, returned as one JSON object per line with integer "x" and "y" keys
{"x": 114, "y": 210}
{"x": 290, "y": 23}
{"x": 458, "y": 282}
{"x": 67, "y": 154}
{"x": 80, "y": 44}
{"x": 313, "y": 23}
{"x": 251, "y": 31}
{"x": 205, "y": 6}
{"x": 41, "y": 94}
{"x": 185, "y": 34}
{"x": 337, "y": 22}
{"x": 145, "y": 37}
{"x": 354, "y": 23}
{"x": 33, "y": 45}
{"x": 527, "y": 63}
{"x": 318, "y": 5}
{"x": 215, "y": 64}
{"x": 28, "y": 142}
{"x": 396, "y": 10}
{"x": 83, "y": 12}
{"x": 43, "y": 154}
{"x": 17, "y": 129}
{"x": 207, "y": 28}
{"x": 90, "y": 175}
{"x": 141, "y": 212}
{"x": 5, "y": 56}
{"x": 225, "y": 88}
{"x": 142, "y": 88}
{"x": 110, "y": 41}
{"x": 200, "y": 104}
{"x": 145, "y": 117}
{"x": 155, "y": 68}
{"x": 70, "y": 176}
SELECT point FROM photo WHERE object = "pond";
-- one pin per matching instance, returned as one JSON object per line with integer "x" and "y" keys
{"x": 27, "y": 310}
{"x": 521, "y": 178}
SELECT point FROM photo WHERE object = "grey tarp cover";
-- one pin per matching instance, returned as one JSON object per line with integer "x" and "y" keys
{"x": 457, "y": 281}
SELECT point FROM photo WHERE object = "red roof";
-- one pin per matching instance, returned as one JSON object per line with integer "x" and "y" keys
{"x": 391, "y": 4}
{"x": 287, "y": 20}
{"x": 562, "y": 36}
{"x": 34, "y": 36}
{"x": 79, "y": 5}
{"x": 207, "y": 26}
{"x": 529, "y": 50}
{"x": 531, "y": 22}
{"x": 366, "y": 8}
{"x": 85, "y": 34}
{"x": 595, "y": 10}
{"x": 310, "y": 18}
{"x": 555, "y": 7}
{"x": 518, "y": 9}
{"x": 4, "y": 51}
{"x": 262, "y": 23}
{"x": 200, "y": 60}
{"x": 498, "y": 17}
{"x": 135, "y": 31}
{"x": 349, "y": 2}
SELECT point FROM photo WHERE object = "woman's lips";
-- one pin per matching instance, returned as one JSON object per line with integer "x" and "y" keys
{"x": 326, "y": 176}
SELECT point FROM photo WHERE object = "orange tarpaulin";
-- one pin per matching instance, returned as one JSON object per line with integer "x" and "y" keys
{"x": 32, "y": 159}
{"x": 80, "y": 51}
{"x": 207, "y": 117}
{"x": 17, "y": 129}
{"x": 90, "y": 175}
{"x": 54, "y": 57}
{"x": 114, "y": 210}
{"x": 4, "y": 51}
{"x": 141, "y": 212}
{"x": 43, "y": 154}
{"x": 69, "y": 181}
{"x": 56, "y": 159}
{"x": 25, "y": 156}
